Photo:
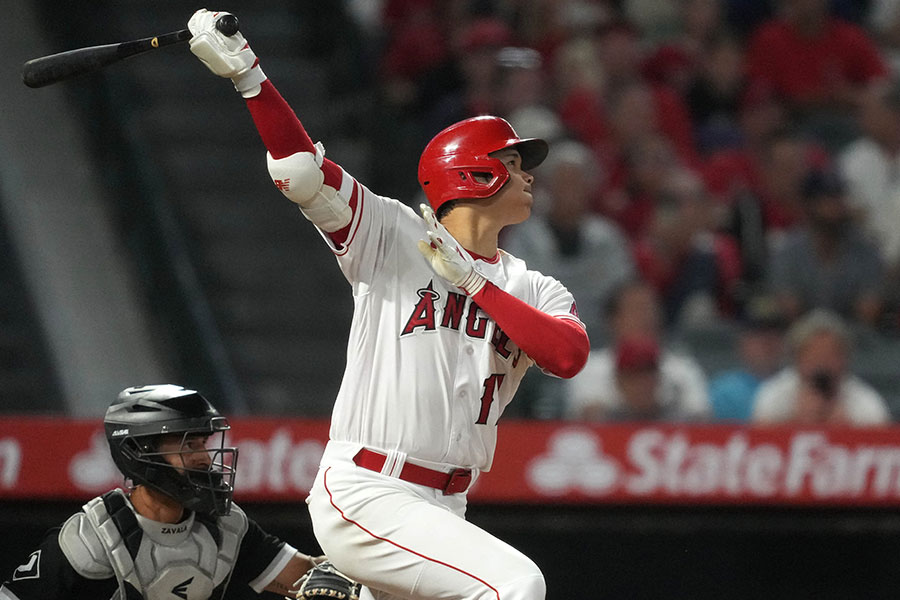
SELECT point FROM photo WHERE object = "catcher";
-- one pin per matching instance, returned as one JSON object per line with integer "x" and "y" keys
{"x": 176, "y": 533}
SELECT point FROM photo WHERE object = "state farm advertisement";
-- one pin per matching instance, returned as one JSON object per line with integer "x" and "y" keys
{"x": 536, "y": 462}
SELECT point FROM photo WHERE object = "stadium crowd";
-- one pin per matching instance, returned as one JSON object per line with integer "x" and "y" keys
{"x": 728, "y": 163}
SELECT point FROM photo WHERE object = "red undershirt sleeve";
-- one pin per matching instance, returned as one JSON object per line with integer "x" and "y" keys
{"x": 284, "y": 135}
{"x": 558, "y": 345}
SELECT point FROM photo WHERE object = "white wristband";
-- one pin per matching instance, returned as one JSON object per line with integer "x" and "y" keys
{"x": 249, "y": 83}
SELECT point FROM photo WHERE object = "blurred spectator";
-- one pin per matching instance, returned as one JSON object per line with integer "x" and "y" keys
{"x": 671, "y": 66}
{"x": 812, "y": 58}
{"x": 694, "y": 24}
{"x": 759, "y": 191}
{"x": 760, "y": 350}
{"x": 636, "y": 352}
{"x": 871, "y": 165}
{"x": 519, "y": 80}
{"x": 579, "y": 80}
{"x": 818, "y": 387}
{"x": 657, "y": 20}
{"x": 636, "y": 393}
{"x": 629, "y": 105}
{"x": 587, "y": 253}
{"x": 700, "y": 22}
{"x": 646, "y": 163}
{"x": 884, "y": 22}
{"x": 827, "y": 263}
{"x": 738, "y": 168}
{"x": 744, "y": 16}
{"x": 694, "y": 269}
{"x": 538, "y": 121}
{"x": 416, "y": 44}
{"x": 466, "y": 87}
{"x": 549, "y": 25}
{"x": 715, "y": 96}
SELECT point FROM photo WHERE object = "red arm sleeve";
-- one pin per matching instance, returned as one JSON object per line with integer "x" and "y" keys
{"x": 283, "y": 135}
{"x": 558, "y": 345}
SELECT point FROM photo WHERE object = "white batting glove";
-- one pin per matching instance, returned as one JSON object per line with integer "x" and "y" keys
{"x": 446, "y": 259}
{"x": 226, "y": 56}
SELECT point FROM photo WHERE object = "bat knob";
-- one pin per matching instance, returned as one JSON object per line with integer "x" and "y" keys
{"x": 227, "y": 24}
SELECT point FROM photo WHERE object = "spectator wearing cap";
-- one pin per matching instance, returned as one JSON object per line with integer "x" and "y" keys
{"x": 761, "y": 354}
{"x": 636, "y": 356}
{"x": 818, "y": 387}
{"x": 639, "y": 391}
{"x": 826, "y": 262}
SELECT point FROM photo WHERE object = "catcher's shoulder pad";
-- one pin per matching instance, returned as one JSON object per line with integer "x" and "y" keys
{"x": 325, "y": 581}
{"x": 82, "y": 547}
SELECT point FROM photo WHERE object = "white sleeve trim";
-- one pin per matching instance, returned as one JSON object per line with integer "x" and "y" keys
{"x": 275, "y": 567}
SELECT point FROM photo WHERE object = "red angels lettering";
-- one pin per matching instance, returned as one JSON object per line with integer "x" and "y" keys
{"x": 499, "y": 340}
{"x": 453, "y": 310}
{"x": 423, "y": 313}
{"x": 491, "y": 385}
{"x": 476, "y": 326}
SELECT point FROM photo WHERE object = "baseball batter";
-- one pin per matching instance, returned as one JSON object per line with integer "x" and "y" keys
{"x": 444, "y": 328}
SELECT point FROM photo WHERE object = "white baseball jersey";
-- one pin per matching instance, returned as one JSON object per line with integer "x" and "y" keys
{"x": 428, "y": 373}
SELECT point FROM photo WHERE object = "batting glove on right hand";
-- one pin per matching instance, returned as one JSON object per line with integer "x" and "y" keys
{"x": 445, "y": 257}
{"x": 226, "y": 56}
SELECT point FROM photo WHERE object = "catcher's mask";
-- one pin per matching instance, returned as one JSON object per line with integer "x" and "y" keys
{"x": 142, "y": 417}
{"x": 452, "y": 159}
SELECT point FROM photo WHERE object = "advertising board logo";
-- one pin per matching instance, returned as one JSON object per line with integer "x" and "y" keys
{"x": 574, "y": 462}
{"x": 93, "y": 469}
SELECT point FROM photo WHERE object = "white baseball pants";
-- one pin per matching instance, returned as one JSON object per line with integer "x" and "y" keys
{"x": 408, "y": 541}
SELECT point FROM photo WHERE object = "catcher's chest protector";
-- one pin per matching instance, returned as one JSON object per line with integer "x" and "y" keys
{"x": 192, "y": 560}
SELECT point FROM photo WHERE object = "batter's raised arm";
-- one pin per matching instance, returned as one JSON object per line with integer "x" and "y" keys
{"x": 297, "y": 166}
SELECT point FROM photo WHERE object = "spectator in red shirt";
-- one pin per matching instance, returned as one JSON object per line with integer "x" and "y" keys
{"x": 812, "y": 58}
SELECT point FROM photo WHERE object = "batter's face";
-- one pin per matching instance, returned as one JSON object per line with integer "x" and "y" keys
{"x": 513, "y": 201}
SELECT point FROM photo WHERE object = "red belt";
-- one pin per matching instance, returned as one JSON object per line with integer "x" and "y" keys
{"x": 454, "y": 482}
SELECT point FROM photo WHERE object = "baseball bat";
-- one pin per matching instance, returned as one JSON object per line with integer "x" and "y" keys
{"x": 45, "y": 70}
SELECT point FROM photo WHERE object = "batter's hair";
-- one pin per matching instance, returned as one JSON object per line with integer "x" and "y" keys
{"x": 445, "y": 208}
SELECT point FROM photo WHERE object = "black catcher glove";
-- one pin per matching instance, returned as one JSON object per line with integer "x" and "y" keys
{"x": 324, "y": 581}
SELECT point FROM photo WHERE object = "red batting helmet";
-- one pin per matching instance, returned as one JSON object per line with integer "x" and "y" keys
{"x": 460, "y": 151}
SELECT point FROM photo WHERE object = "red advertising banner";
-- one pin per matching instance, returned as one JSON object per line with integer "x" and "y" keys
{"x": 536, "y": 462}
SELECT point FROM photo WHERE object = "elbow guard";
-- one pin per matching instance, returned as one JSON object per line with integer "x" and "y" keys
{"x": 300, "y": 178}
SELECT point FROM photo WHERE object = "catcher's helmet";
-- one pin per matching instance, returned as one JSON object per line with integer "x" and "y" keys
{"x": 450, "y": 159}
{"x": 137, "y": 420}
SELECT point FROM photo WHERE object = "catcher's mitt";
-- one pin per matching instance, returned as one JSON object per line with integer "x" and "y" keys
{"x": 324, "y": 581}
